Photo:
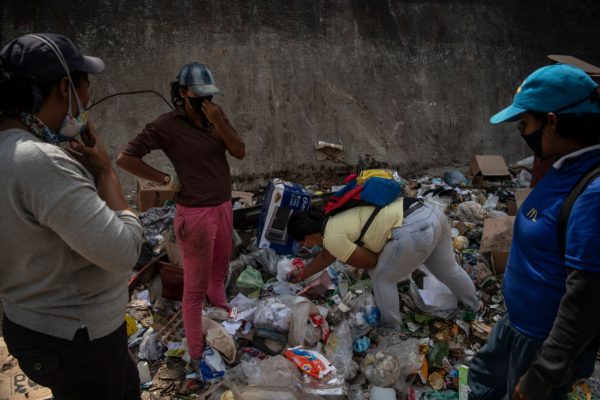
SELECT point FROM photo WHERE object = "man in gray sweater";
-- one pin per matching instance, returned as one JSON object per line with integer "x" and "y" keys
{"x": 68, "y": 237}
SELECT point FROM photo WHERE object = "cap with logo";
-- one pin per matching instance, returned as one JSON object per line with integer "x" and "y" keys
{"x": 32, "y": 58}
{"x": 557, "y": 88}
{"x": 197, "y": 77}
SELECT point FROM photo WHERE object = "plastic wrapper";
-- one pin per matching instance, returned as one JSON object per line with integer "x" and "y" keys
{"x": 309, "y": 361}
{"x": 381, "y": 369}
{"x": 332, "y": 385}
{"x": 212, "y": 366}
{"x": 301, "y": 331}
{"x": 275, "y": 312}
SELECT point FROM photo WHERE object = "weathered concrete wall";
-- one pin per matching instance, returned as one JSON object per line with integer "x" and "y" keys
{"x": 412, "y": 83}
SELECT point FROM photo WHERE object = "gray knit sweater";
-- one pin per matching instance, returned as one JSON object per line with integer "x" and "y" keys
{"x": 66, "y": 256}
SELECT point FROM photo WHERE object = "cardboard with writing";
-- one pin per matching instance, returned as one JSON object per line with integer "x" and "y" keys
{"x": 281, "y": 200}
{"x": 496, "y": 240}
{"x": 14, "y": 384}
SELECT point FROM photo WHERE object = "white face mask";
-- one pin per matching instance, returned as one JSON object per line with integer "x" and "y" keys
{"x": 73, "y": 126}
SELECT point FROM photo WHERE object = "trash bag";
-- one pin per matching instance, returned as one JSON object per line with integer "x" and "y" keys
{"x": 381, "y": 369}
{"x": 270, "y": 393}
{"x": 434, "y": 298}
{"x": 150, "y": 348}
{"x": 249, "y": 281}
{"x": 455, "y": 178}
{"x": 275, "y": 312}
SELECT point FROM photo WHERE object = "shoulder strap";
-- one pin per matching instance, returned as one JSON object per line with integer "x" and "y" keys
{"x": 365, "y": 228}
{"x": 565, "y": 210}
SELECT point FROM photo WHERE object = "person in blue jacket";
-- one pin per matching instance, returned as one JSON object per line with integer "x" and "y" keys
{"x": 549, "y": 337}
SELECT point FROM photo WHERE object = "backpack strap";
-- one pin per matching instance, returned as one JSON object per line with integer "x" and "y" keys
{"x": 565, "y": 210}
{"x": 365, "y": 228}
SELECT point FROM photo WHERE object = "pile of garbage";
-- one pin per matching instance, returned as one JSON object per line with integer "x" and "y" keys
{"x": 321, "y": 339}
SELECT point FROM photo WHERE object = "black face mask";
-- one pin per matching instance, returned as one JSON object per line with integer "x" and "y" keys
{"x": 534, "y": 141}
{"x": 196, "y": 104}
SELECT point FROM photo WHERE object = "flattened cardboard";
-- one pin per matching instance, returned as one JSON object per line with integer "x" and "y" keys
{"x": 565, "y": 59}
{"x": 496, "y": 240}
{"x": 489, "y": 166}
{"x": 520, "y": 196}
{"x": 14, "y": 384}
{"x": 150, "y": 194}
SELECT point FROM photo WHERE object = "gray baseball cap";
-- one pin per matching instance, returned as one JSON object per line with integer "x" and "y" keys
{"x": 197, "y": 77}
{"x": 33, "y": 58}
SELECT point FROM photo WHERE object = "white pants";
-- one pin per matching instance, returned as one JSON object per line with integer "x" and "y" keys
{"x": 424, "y": 238}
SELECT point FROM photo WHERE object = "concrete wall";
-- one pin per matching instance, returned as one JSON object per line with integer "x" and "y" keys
{"x": 412, "y": 83}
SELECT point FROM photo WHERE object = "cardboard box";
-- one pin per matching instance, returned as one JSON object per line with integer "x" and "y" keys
{"x": 520, "y": 196}
{"x": 496, "y": 240}
{"x": 281, "y": 200}
{"x": 488, "y": 169}
{"x": 14, "y": 384}
{"x": 151, "y": 194}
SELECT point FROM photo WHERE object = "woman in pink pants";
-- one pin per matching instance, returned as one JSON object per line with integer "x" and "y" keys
{"x": 195, "y": 137}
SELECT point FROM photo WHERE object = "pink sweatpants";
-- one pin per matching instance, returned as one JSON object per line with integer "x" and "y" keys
{"x": 204, "y": 235}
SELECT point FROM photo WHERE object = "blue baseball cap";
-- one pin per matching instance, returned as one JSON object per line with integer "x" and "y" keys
{"x": 557, "y": 88}
{"x": 197, "y": 77}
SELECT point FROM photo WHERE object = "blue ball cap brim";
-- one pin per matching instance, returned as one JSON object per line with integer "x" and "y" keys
{"x": 509, "y": 114}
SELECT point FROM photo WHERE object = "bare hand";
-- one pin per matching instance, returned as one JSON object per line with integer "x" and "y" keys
{"x": 214, "y": 113}
{"x": 92, "y": 150}
{"x": 295, "y": 276}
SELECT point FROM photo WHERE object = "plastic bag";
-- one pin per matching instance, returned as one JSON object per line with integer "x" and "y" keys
{"x": 249, "y": 281}
{"x": 268, "y": 259}
{"x": 274, "y": 312}
{"x": 434, "y": 298}
{"x": 300, "y": 325}
{"x": 275, "y": 371}
{"x": 471, "y": 211}
{"x": 270, "y": 393}
{"x": 393, "y": 361}
{"x": 338, "y": 350}
{"x": 284, "y": 267}
{"x": 212, "y": 366}
{"x": 364, "y": 315}
{"x": 150, "y": 348}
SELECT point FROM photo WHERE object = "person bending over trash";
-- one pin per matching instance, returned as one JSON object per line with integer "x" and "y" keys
{"x": 403, "y": 235}
{"x": 195, "y": 137}
{"x": 550, "y": 335}
{"x": 68, "y": 240}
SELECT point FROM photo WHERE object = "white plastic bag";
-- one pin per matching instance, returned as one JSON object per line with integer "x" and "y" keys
{"x": 434, "y": 298}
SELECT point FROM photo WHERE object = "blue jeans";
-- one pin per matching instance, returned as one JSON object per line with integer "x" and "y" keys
{"x": 500, "y": 363}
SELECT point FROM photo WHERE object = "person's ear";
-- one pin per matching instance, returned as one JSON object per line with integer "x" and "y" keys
{"x": 552, "y": 122}
{"x": 63, "y": 88}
